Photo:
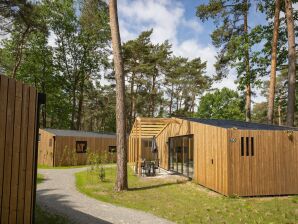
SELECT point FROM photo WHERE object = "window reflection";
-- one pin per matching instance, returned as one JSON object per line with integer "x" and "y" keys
{"x": 181, "y": 155}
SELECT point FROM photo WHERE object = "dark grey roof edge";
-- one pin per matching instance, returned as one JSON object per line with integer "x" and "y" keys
{"x": 242, "y": 125}
{"x": 76, "y": 133}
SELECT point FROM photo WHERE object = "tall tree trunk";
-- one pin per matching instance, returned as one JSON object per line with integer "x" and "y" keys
{"x": 279, "y": 112}
{"x": 44, "y": 108}
{"x": 271, "y": 90}
{"x": 292, "y": 63}
{"x": 132, "y": 101}
{"x": 180, "y": 103}
{"x": 80, "y": 104}
{"x": 153, "y": 95}
{"x": 80, "y": 110}
{"x": 121, "y": 181}
{"x": 171, "y": 99}
{"x": 134, "y": 109}
{"x": 19, "y": 55}
{"x": 74, "y": 100}
{"x": 73, "y": 110}
{"x": 247, "y": 68}
{"x": 193, "y": 100}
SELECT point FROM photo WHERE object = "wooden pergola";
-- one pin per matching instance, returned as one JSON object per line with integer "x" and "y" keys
{"x": 144, "y": 128}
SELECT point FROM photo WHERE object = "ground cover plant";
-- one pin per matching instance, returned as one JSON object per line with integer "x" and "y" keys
{"x": 40, "y": 178}
{"x": 187, "y": 202}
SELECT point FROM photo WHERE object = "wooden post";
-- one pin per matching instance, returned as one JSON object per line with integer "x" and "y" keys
{"x": 41, "y": 100}
{"x": 129, "y": 152}
{"x": 139, "y": 148}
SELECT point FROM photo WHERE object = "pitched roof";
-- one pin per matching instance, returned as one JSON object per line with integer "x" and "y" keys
{"x": 74, "y": 133}
{"x": 242, "y": 125}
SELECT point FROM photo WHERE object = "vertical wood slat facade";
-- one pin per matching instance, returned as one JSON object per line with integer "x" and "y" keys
{"x": 18, "y": 113}
{"x": 63, "y": 147}
{"x": 207, "y": 147}
{"x": 45, "y": 150}
{"x": 271, "y": 169}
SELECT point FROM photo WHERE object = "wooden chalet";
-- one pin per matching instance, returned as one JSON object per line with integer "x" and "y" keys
{"x": 69, "y": 147}
{"x": 229, "y": 157}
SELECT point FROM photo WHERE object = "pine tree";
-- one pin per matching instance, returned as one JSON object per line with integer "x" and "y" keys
{"x": 273, "y": 62}
{"x": 121, "y": 180}
{"x": 233, "y": 38}
{"x": 292, "y": 63}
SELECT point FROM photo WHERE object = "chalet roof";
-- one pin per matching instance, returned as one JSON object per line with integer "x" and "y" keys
{"x": 242, "y": 125}
{"x": 74, "y": 133}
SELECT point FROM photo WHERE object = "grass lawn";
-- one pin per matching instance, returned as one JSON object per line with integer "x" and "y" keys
{"x": 40, "y": 178}
{"x": 187, "y": 202}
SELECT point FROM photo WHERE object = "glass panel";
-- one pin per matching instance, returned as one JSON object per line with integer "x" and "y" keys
{"x": 190, "y": 157}
{"x": 179, "y": 150}
{"x": 171, "y": 154}
{"x": 185, "y": 155}
{"x": 175, "y": 155}
{"x": 181, "y": 155}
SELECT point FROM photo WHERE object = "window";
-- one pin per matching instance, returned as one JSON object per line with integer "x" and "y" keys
{"x": 242, "y": 146}
{"x": 252, "y": 146}
{"x": 248, "y": 143}
{"x": 51, "y": 142}
{"x": 247, "y": 146}
{"x": 81, "y": 146}
{"x": 112, "y": 149}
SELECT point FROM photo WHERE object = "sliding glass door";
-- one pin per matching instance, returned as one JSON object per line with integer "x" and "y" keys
{"x": 181, "y": 155}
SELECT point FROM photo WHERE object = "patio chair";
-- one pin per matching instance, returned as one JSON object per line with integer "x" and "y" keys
{"x": 156, "y": 165}
{"x": 147, "y": 168}
{"x": 142, "y": 167}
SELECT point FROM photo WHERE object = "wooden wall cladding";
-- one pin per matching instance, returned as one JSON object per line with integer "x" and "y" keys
{"x": 65, "y": 146}
{"x": 45, "y": 150}
{"x": 18, "y": 113}
{"x": 271, "y": 170}
{"x": 210, "y": 152}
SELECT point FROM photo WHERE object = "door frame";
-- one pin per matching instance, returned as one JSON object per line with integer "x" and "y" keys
{"x": 169, "y": 154}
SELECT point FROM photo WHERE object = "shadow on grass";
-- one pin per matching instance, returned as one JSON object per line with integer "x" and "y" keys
{"x": 40, "y": 179}
{"x": 59, "y": 205}
{"x": 155, "y": 186}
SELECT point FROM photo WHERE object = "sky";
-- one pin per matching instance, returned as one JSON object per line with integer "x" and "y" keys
{"x": 176, "y": 21}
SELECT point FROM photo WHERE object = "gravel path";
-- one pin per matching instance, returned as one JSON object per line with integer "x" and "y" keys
{"x": 58, "y": 194}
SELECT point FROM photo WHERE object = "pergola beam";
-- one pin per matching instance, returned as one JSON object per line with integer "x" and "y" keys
{"x": 145, "y": 128}
{"x": 149, "y": 127}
